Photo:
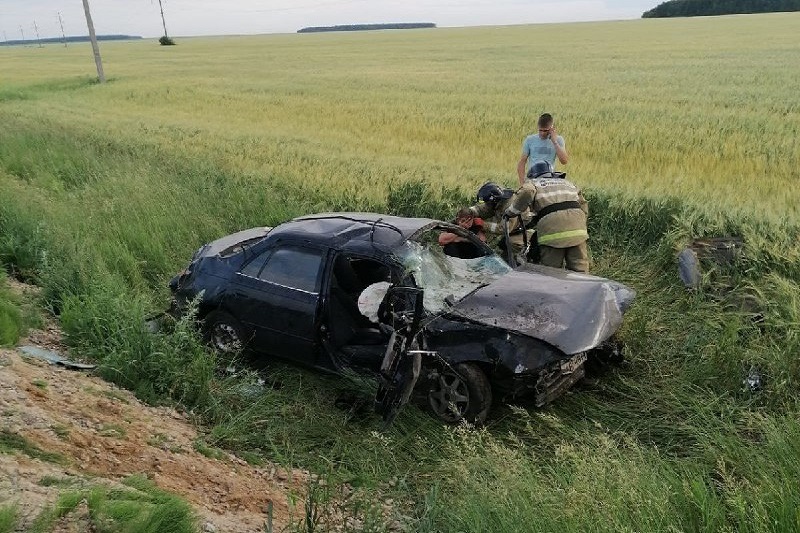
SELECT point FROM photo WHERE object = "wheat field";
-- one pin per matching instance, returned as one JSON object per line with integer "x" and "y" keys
{"x": 699, "y": 109}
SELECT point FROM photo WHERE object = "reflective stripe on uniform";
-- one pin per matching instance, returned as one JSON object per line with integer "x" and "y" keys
{"x": 564, "y": 192}
{"x": 544, "y": 239}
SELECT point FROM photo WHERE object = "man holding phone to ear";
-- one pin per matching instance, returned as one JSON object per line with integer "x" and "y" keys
{"x": 547, "y": 145}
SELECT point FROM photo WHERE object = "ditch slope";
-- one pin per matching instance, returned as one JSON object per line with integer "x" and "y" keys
{"x": 89, "y": 432}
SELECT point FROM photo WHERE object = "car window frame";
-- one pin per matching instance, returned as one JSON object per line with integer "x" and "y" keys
{"x": 320, "y": 251}
{"x": 268, "y": 253}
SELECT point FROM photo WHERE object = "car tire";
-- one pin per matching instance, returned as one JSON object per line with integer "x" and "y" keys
{"x": 223, "y": 333}
{"x": 460, "y": 392}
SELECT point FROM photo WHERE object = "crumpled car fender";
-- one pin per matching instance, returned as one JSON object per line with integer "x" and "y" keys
{"x": 460, "y": 341}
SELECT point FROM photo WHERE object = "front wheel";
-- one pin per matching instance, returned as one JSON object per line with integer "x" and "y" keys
{"x": 224, "y": 333}
{"x": 460, "y": 392}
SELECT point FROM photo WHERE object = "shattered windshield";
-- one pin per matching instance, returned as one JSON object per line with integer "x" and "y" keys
{"x": 441, "y": 275}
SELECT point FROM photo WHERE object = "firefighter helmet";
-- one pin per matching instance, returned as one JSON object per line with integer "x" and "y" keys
{"x": 491, "y": 193}
{"x": 539, "y": 169}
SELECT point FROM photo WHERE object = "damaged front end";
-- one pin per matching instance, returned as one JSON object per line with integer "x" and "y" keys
{"x": 517, "y": 365}
{"x": 532, "y": 330}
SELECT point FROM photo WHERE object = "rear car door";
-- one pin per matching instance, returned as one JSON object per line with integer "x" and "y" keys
{"x": 277, "y": 295}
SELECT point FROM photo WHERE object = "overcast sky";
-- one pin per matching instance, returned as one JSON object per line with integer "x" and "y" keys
{"x": 221, "y": 17}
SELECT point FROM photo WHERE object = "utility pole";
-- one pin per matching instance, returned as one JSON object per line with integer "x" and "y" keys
{"x": 95, "y": 47}
{"x": 36, "y": 29}
{"x": 63, "y": 35}
{"x": 163, "y": 20}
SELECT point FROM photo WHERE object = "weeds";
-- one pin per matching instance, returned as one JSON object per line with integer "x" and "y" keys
{"x": 11, "y": 322}
{"x": 8, "y": 518}
{"x": 52, "y": 481}
{"x": 11, "y": 442}
{"x": 212, "y": 453}
{"x": 61, "y": 431}
{"x": 141, "y": 508}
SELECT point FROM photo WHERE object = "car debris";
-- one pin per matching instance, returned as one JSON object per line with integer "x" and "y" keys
{"x": 377, "y": 294}
{"x": 54, "y": 358}
{"x": 753, "y": 382}
{"x": 721, "y": 251}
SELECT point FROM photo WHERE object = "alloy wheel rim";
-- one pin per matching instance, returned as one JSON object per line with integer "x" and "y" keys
{"x": 449, "y": 397}
{"x": 226, "y": 339}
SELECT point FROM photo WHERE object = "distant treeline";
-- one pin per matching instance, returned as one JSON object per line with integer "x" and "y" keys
{"x": 700, "y": 8}
{"x": 72, "y": 39}
{"x": 364, "y": 27}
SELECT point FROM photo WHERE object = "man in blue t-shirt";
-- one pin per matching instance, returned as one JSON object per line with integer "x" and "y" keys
{"x": 547, "y": 145}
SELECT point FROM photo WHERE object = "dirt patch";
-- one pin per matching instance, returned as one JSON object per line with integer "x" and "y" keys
{"x": 102, "y": 433}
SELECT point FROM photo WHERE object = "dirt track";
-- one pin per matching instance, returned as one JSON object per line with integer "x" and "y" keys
{"x": 105, "y": 434}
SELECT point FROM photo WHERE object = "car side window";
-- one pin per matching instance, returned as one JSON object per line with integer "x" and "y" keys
{"x": 253, "y": 268}
{"x": 298, "y": 268}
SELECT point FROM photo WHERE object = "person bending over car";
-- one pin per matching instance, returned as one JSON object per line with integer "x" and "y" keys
{"x": 493, "y": 202}
{"x": 456, "y": 246}
{"x": 560, "y": 212}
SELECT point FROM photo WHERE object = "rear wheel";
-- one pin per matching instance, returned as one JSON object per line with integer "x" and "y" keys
{"x": 224, "y": 333}
{"x": 460, "y": 392}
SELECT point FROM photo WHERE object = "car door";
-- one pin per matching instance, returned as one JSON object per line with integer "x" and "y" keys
{"x": 277, "y": 295}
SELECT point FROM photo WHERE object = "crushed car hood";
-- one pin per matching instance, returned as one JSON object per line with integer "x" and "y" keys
{"x": 574, "y": 312}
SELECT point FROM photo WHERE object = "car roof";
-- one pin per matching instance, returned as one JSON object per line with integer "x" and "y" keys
{"x": 354, "y": 230}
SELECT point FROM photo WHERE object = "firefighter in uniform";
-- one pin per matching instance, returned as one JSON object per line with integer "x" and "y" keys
{"x": 493, "y": 202}
{"x": 559, "y": 212}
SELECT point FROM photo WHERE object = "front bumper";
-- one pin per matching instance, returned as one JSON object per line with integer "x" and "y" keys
{"x": 548, "y": 383}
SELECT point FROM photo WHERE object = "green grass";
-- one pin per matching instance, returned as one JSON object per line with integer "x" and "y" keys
{"x": 8, "y": 518}
{"x": 676, "y": 129}
{"x": 11, "y": 442}
{"x": 212, "y": 453}
{"x": 53, "y": 481}
{"x": 16, "y": 315}
{"x": 139, "y": 508}
{"x": 11, "y": 323}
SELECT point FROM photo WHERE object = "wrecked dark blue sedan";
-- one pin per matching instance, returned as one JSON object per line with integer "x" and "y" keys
{"x": 316, "y": 291}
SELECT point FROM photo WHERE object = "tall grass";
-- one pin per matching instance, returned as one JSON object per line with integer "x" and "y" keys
{"x": 8, "y": 518}
{"x": 10, "y": 316}
{"x": 16, "y": 314}
{"x": 105, "y": 191}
